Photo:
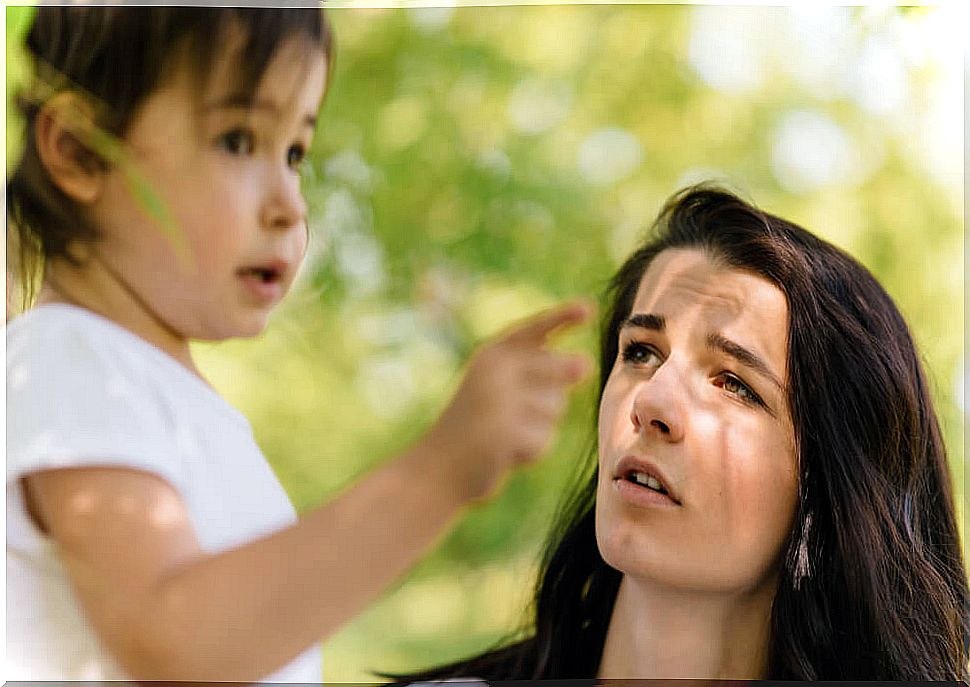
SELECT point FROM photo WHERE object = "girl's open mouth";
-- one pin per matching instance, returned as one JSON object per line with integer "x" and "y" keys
{"x": 264, "y": 283}
{"x": 265, "y": 274}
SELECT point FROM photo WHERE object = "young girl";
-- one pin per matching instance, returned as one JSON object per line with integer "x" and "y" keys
{"x": 147, "y": 538}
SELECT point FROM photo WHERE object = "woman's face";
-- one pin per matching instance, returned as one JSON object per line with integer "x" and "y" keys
{"x": 697, "y": 469}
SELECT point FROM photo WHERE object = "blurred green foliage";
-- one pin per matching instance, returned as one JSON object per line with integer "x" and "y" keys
{"x": 475, "y": 164}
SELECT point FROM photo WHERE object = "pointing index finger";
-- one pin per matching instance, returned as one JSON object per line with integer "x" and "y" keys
{"x": 537, "y": 329}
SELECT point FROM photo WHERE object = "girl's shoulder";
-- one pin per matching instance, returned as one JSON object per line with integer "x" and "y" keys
{"x": 82, "y": 390}
{"x": 59, "y": 331}
{"x": 66, "y": 343}
{"x": 64, "y": 355}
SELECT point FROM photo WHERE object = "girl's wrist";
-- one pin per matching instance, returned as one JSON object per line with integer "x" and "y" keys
{"x": 447, "y": 470}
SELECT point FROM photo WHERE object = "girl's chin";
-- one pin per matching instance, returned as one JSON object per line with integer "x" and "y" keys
{"x": 241, "y": 329}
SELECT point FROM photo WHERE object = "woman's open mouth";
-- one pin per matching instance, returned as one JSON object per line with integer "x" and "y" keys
{"x": 648, "y": 481}
{"x": 642, "y": 483}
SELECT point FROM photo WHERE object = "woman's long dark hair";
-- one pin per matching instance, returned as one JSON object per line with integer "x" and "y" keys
{"x": 872, "y": 584}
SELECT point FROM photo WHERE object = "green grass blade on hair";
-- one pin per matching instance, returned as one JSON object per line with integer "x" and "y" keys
{"x": 81, "y": 115}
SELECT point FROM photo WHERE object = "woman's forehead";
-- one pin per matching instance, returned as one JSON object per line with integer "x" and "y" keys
{"x": 686, "y": 288}
{"x": 692, "y": 274}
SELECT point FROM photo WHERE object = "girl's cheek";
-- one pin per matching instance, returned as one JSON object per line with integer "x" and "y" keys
{"x": 303, "y": 244}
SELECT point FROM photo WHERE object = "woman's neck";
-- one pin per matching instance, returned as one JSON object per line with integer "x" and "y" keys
{"x": 671, "y": 634}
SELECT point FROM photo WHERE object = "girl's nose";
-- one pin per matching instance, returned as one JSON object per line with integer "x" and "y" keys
{"x": 658, "y": 406}
{"x": 284, "y": 206}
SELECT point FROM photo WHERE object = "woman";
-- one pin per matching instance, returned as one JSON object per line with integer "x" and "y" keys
{"x": 771, "y": 498}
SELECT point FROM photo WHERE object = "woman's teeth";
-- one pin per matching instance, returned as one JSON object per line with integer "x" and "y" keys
{"x": 648, "y": 481}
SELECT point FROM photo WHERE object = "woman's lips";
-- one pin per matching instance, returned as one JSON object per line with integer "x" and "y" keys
{"x": 643, "y": 483}
{"x": 643, "y": 497}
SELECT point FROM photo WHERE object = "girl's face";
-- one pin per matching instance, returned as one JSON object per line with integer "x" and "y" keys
{"x": 697, "y": 468}
{"x": 226, "y": 172}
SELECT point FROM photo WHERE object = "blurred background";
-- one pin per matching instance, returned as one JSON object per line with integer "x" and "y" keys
{"x": 475, "y": 164}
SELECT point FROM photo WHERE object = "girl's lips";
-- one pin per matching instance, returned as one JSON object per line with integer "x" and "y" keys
{"x": 266, "y": 291}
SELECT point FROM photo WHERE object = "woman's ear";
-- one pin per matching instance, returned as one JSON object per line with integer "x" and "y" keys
{"x": 63, "y": 129}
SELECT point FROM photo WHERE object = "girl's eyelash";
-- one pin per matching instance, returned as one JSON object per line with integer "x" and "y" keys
{"x": 237, "y": 141}
{"x": 295, "y": 155}
{"x": 242, "y": 142}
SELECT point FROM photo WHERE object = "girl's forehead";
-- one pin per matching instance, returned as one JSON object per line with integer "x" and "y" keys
{"x": 229, "y": 76}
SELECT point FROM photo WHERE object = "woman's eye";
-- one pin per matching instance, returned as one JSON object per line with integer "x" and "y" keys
{"x": 237, "y": 142}
{"x": 640, "y": 354}
{"x": 735, "y": 386}
{"x": 295, "y": 155}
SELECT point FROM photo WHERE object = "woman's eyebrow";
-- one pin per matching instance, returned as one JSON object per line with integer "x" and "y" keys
{"x": 747, "y": 357}
{"x": 654, "y": 323}
{"x": 744, "y": 356}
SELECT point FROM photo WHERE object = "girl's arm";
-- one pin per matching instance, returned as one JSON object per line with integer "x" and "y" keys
{"x": 167, "y": 611}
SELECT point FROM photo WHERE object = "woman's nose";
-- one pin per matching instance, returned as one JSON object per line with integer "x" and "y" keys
{"x": 658, "y": 406}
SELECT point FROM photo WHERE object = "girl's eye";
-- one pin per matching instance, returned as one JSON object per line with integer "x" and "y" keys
{"x": 237, "y": 142}
{"x": 735, "y": 386}
{"x": 295, "y": 155}
{"x": 640, "y": 354}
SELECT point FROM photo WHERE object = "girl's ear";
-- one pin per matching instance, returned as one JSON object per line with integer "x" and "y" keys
{"x": 63, "y": 129}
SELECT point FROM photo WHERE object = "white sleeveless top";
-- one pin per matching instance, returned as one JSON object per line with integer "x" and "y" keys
{"x": 82, "y": 391}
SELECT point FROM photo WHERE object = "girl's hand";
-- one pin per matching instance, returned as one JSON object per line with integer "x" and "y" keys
{"x": 509, "y": 403}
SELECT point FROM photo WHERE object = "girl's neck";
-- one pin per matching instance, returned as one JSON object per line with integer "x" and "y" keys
{"x": 99, "y": 291}
{"x": 662, "y": 633}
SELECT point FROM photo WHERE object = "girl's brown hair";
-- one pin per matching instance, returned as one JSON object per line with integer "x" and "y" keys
{"x": 114, "y": 57}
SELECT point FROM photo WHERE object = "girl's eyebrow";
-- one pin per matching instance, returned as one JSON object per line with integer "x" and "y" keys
{"x": 241, "y": 101}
